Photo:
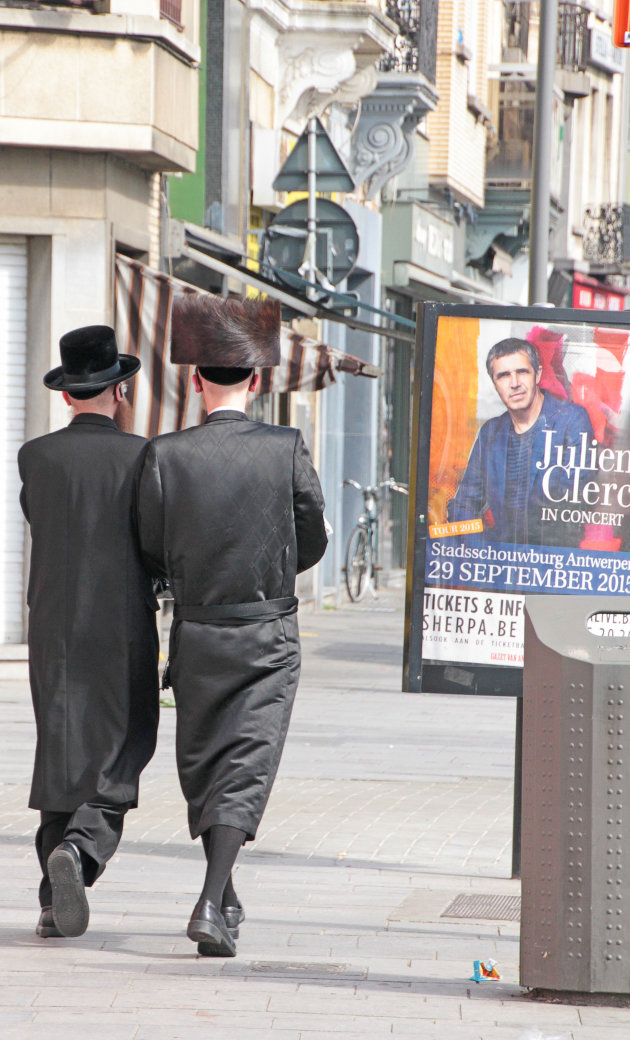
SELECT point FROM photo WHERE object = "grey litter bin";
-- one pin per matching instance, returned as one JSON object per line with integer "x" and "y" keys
{"x": 576, "y": 795}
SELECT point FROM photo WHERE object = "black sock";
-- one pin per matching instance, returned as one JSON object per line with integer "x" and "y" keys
{"x": 230, "y": 897}
{"x": 221, "y": 846}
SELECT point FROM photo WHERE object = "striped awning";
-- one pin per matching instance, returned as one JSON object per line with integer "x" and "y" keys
{"x": 161, "y": 394}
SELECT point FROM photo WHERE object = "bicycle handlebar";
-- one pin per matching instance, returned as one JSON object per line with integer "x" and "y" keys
{"x": 393, "y": 485}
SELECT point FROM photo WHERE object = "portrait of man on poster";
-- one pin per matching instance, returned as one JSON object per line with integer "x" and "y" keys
{"x": 506, "y": 483}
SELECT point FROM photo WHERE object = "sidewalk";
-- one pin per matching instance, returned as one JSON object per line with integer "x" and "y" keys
{"x": 387, "y": 807}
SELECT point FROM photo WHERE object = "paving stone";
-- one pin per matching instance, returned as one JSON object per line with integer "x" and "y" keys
{"x": 17, "y": 1017}
{"x": 61, "y": 1029}
{"x": 521, "y": 1012}
{"x": 17, "y": 995}
{"x": 604, "y": 1031}
{"x": 192, "y": 994}
{"x": 93, "y": 995}
{"x": 605, "y": 1017}
{"x": 535, "y": 1032}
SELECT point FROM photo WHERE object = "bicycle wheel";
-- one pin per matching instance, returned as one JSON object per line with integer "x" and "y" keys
{"x": 358, "y": 563}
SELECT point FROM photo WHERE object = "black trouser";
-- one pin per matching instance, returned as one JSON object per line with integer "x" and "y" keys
{"x": 96, "y": 831}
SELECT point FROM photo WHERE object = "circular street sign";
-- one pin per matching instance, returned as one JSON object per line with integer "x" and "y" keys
{"x": 337, "y": 240}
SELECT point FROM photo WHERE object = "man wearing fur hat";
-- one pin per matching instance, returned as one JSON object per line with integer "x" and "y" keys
{"x": 93, "y": 648}
{"x": 229, "y": 511}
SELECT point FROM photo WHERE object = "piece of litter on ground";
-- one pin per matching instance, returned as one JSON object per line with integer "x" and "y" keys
{"x": 485, "y": 971}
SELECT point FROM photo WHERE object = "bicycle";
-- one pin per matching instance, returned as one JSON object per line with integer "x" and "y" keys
{"x": 361, "y": 568}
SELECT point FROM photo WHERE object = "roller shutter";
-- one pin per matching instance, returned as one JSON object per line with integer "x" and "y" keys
{"x": 13, "y": 283}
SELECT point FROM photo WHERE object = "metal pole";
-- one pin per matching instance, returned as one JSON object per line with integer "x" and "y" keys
{"x": 518, "y": 791}
{"x": 541, "y": 165}
{"x": 311, "y": 224}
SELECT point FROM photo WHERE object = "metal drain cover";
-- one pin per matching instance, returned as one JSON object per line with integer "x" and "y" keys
{"x": 487, "y": 908}
{"x": 298, "y": 969}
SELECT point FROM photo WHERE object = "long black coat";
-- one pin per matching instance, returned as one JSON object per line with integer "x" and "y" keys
{"x": 93, "y": 648}
{"x": 230, "y": 511}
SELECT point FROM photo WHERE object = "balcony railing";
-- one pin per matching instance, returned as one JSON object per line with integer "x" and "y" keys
{"x": 169, "y": 9}
{"x": 572, "y": 49}
{"x": 172, "y": 11}
{"x": 517, "y": 24}
{"x": 607, "y": 233}
{"x": 406, "y": 15}
{"x": 572, "y": 45}
{"x": 54, "y": 3}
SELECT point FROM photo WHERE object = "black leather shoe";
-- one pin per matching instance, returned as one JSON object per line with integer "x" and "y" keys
{"x": 46, "y": 926}
{"x": 233, "y": 917}
{"x": 70, "y": 909}
{"x": 207, "y": 927}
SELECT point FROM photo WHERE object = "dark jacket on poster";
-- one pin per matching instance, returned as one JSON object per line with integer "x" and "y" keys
{"x": 483, "y": 485}
{"x": 230, "y": 511}
{"x": 93, "y": 648}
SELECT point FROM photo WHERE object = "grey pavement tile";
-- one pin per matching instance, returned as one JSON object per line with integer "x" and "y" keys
{"x": 64, "y": 1024}
{"x": 318, "y": 943}
{"x": 208, "y": 1017}
{"x": 217, "y": 1029}
{"x": 17, "y": 995}
{"x": 601, "y": 1016}
{"x": 60, "y": 1031}
{"x": 323, "y": 1034}
{"x": 435, "y": 1030}
{"x": 47, "y": 980}
{"x": 94, "y": 995}
{"x": 341, "y": 1024}
{"x": 185, "y": 964}
{"x": 520, "y": 1013}
{"x": 12, "y": 1016}
{"x": 453, "y": 1031}
{"x": 535, "y": 1031}
{"x": 605, "y": 1031}
{"x": 186, "y": 995}
{"x": 425, "y": 947}
{"x": 387, "y": 1007}
{"x": 177, "y": 1018}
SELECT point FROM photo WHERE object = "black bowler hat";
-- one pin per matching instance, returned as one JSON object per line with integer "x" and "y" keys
{"x": 90, "y": 361}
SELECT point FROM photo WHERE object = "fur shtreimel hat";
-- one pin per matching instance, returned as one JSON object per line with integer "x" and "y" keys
{"x": 225, "y": 333}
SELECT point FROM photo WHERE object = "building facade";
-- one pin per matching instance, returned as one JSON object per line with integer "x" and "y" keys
{"x": 164, "y": 144}
{"x": 269, "y": 68}
{"x": 97, "y": 100}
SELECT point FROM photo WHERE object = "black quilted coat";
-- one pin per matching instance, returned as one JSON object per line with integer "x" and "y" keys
{"x": 230, "y": 512}
{"x": 93, "y": 647}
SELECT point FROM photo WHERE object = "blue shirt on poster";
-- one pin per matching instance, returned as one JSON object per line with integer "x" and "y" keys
{"x": 489, "y": 480}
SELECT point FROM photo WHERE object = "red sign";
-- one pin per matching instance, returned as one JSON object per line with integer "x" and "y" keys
{"x": 591, "y": 295}
{"x": 621, "y": 24}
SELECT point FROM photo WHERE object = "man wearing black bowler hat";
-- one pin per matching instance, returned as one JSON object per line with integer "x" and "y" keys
{"x": 93, "y": 646}
{"x": 229, "y": 511}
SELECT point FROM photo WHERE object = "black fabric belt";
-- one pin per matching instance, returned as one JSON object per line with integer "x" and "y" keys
{"x": 237, "y": 613}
